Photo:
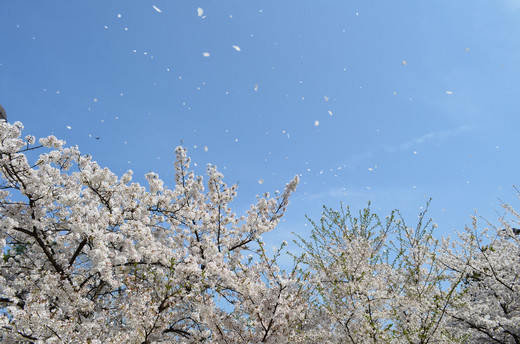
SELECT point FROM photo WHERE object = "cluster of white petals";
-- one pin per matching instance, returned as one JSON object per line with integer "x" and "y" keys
{"x": 487, "y": 266}
{"x": 90, "y": 257}
{"x": 376, "y": 281}
{"x": 93, "y": 258}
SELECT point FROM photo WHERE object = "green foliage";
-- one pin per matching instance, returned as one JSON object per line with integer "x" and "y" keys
{"x": 15, "y": 251}
{"x": 378, "y": 280}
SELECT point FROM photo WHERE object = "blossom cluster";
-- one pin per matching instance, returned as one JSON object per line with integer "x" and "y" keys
{"x": 90, "y": 257}
{"x": 93, "y": 258}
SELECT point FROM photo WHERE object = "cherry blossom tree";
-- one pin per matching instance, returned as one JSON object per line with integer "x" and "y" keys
{"x": 488, "y": 262}
{"x": 376, "y": 281}
{"x": 92, "y": 258}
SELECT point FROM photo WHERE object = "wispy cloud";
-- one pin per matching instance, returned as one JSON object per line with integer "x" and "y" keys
{"x": 356, "y": 160}
{"x": 353, "y": 161}
{"x": 357, "y": 197}
{"x": 434, "y": 136}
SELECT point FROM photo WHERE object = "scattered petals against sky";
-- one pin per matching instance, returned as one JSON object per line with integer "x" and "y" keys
{"x": 389, "y": 101}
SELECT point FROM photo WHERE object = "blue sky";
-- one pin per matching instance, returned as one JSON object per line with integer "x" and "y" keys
{"x": 388, "y": 101}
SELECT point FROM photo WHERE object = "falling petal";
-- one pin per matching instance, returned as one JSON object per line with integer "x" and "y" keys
{"x": 200, "y": 12}
{"x": 236, "y": 47}
{"x": 157, "y": 9}
{"x": 205, "y": 54}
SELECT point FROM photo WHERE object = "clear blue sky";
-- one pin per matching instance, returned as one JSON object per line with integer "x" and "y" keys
{"x": 389, "y": 101}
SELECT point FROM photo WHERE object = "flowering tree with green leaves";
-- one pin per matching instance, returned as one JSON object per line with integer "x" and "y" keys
{"x": 376, "y": 281}
{"x": 89, "y": 257}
